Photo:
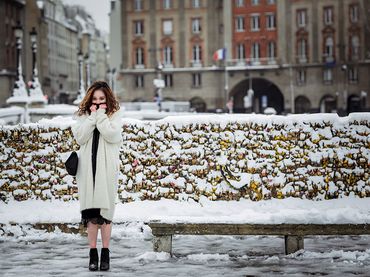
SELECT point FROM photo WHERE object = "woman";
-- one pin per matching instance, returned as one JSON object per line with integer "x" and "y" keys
{"x": 98, "y": 132}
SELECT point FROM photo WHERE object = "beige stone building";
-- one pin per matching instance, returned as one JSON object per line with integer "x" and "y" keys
{"x": 295, "y": 56}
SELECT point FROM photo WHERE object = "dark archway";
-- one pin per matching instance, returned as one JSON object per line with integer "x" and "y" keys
{"x": 328, "y": 104}
{"x": 354, "y": 104}
{"x": 266, "y": 94}
{"x": 169, "y": 99}
{"x": 198, "y": 104}
{"x": 138, "y": 100}
{"x": 302, "y": 104}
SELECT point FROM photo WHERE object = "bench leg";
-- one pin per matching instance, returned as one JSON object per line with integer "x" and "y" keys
{"x": 293, "y": 244}
{"x": 162, "y": 244}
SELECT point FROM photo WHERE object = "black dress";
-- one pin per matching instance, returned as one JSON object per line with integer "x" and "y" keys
{"x": 93, "y": 215}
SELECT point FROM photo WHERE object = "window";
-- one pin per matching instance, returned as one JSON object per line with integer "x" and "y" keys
{"x": 166, "y": 4}
{"x": 271, "y": 51}
{"x": 139, "y": 81}
{"x": 139, "y": 56}
{"x": 328, "y": 75}
{"x": 139, "y": 28}
{"x": 196, "y": 26}
{"x": 197, "y": 53}
{"x": 138, "y": 5}
{"x": 255, "y": 22}
{"x": 197, "y": 80}
{"x": 255, "y": 2}
{"x": 270, "y": 21}
{"x": 168, "y": 80}
{"x": 302, "y": 50}
{"x": 329, "y": 47}
{"x": 355, "y": 48}
{"x": 353, "y": 75}
{"x": 301, "y": 77}
{"x": 239, "y": 23}
{"x": 271, "y": 2}
{"x": 195, "y": 3}
{"x": 353, "y": 10}
{"x": 167, "y": 27}
{"x": 255, "y": 51}
{"x": 240, "y": 52}
{"x": 328, "y": 15}
{"x": 301, "y": 18}
{"x": 167, "y": 55}
{"x": 239, "y": 3}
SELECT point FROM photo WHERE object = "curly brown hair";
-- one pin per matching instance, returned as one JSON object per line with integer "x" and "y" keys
{"x": 112, "y": 102}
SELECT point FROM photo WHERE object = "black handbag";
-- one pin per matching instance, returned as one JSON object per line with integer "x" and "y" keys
{"x": 71, "y": 163}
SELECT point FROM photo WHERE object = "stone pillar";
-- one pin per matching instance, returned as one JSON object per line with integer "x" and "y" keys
{"x": 162, "y": 244}
{"x": 293, "y": 244}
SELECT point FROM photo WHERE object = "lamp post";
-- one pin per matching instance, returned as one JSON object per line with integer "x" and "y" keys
{"x": 19, "y": 94}
{"x": 159, "y": 85}
{"x": 36, "y": 93}
{"x": 87, "y": 63}
{"x": 81, "y": 89}
{"x": 19, "y": 85}
{"x": 113, "y": 79}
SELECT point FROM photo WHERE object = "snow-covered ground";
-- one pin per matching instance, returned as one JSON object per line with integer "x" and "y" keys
{"x": 37, "y": 253}
{"x": 290, "y": 210}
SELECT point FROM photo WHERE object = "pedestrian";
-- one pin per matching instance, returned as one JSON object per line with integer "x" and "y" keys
{"x": 98, "y": 132}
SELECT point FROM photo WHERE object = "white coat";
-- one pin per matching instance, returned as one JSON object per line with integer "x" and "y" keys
{"x": 107, "y": 161}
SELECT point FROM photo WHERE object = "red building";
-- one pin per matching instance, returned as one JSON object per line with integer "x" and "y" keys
{"x": 254, "y": 31}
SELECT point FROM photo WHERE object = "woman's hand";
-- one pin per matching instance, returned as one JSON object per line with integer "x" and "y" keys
{"x": 103, "y": 106}
{"x": 93, "y": 108}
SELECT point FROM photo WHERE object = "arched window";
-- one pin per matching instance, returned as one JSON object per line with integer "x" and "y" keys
{"x": 302, "y": 104}
{"x": 271, "y": 50}
{"x": 355, "y": 47}
{"x": 240, "y": 51}
{"x": 302, "y": 48}
{"x": 167, "y": 55}
{"x": 197, "y": 53}
{"x": 256, "y": 51}
{"x": 139, "y": 56}
{"x": 329, "y": 47}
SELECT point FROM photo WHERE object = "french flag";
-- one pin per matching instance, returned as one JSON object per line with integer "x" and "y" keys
{"x": 220, "y": 54}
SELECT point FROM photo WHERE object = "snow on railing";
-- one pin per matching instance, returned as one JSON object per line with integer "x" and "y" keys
{"x": 222, "y": 157}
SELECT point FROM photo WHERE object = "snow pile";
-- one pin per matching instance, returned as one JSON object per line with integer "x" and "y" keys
{"x": 275, "y": 211}
{"x": 221, "y": 157}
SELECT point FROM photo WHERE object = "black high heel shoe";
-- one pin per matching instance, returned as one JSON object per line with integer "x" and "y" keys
{"x": 94, "y": 259}
{"x": 104, "y": 259}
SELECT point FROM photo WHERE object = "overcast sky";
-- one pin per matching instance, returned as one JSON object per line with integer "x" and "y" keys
{"x": 99, "y": 10}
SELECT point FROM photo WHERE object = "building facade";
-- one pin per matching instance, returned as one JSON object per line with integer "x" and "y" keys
{"x": 11, "y": 12}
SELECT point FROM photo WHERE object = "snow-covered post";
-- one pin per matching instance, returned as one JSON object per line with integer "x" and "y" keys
{"x": 159, "y": 85}
{"x": 81, "y": 90}
{"x": 20, "y": 95}
{"x": 36, "y": 94}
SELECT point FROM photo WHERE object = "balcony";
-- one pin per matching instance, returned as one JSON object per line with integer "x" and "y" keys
{"x": 196, "y": 63}
{"x": 302, "y": 59}
{"x": 253, "y": 62}
{"x": 168, "y": 65}
{"x": 139, "y": 66}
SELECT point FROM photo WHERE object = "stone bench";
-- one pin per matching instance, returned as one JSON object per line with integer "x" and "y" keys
{"x": 293, "y": 233}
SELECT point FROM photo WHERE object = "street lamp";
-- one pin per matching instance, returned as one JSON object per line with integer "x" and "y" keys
{"x": 159, "y": 85}
{"x": 19, "y": 85}
{"x": 36, "y": 93}
{"x": 81, "y": 89}
{"x": 87, "y": 63}
{"x": 113, "y": 79}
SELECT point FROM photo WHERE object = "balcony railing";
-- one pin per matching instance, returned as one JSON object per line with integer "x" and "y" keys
{"x": 139, "y": 66}
{"x": 252, "y": 62}
{"x": 196, "y": 63}
{"x": 302, "y": 59}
